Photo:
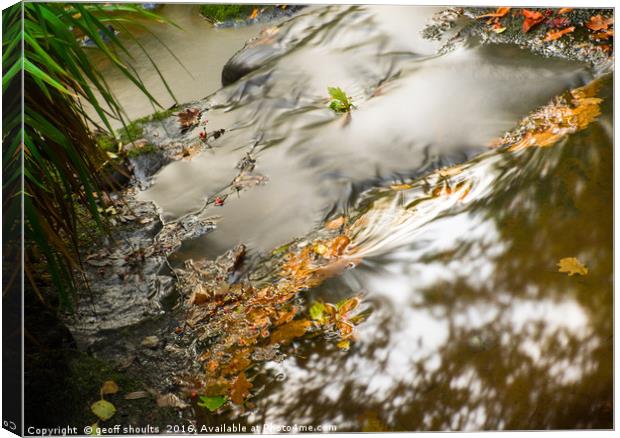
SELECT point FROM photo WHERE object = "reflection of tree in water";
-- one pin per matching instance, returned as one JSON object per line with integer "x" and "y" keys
{"x": 524, "y": 346}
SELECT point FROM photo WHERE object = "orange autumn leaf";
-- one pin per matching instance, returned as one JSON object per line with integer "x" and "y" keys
{"x": 572, "y": 266}
{"x": 556, "y": 34}
{"x": 339, "y": 245}
{"x": 532, "y": 18}
{"x": 597, "y": 22}
{"x": 240, "y": 389}
{"x": 606, "y": 34}
{"x": 254, "y": 14}
{"x": 500, "y": 12}
{"x": 564, "y": 11}
{"x": 286, "y": 333}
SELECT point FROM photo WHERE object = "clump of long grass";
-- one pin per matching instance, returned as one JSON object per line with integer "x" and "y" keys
{"x": 64, "y": 170}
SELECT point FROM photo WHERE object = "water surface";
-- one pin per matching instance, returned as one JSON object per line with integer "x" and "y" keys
{"x": 472, "y": 325}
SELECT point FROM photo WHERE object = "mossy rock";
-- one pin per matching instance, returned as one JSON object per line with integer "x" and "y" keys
{"x": 217, "y": 13}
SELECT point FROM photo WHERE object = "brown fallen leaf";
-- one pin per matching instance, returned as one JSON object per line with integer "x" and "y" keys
{"x": 189, "y": 118}
{"x": 563, "y": 11}
{"x": 598, "y": 22}
{"x": 109, "y": 387}
{"x": 572, "y": 266}
{"x": 289, "y": 331}
{"x": 500, "y": 12}
{"x": 240, "y": 389}
{"x": 553, "y": 35}
{"x": 532, "y": 18}
{"x": 137, "y": 395}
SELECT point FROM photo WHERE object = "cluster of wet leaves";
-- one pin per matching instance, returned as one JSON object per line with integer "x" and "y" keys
{"x": 236, "y": 324}
{"x": 567, "y": 114}
{"x": 573, "y": 33}
{"x": 555, "y": 22}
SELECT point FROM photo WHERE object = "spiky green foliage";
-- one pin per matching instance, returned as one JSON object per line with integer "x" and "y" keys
{"x": 62, "y": 165}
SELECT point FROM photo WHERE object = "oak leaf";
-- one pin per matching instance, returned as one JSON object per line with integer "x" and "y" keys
{"x": 572, "y": 266}
{"x": 532, "y": 18}
{"x": 598, "y": 22}
{"x": 189, "y": 118}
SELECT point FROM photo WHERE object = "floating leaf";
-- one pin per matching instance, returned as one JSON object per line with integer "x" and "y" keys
{"x": 103, "y": 409}
{"x": 532, "y": 18}
{"x": 240, "y": 389}
{"x": 345, "y": 344}
{"x": 598, "y": 22}
{"x": 317, "y": 310}
{"x": 556, "y": 34}
{"x": 345, "y": 306}
{"x": 212, "y": 403}
{"x": 287, "y": 332}
{"x": 572, "y": 266}
{"x": 340, "y": 103}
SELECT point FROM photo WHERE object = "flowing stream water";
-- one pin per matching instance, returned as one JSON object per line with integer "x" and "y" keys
{"x": 472, "y": 325}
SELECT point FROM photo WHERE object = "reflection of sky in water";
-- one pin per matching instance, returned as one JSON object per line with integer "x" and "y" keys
{"x": 473, "y": 327}
{"x": 419, "y": 334}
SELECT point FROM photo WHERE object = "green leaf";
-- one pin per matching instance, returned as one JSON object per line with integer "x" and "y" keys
{"x": 317, "y": 310}
{"x": 337, "y": 93}
{"x": 340, "y": 102}
{"x": 103, "y": 409}
{"x": 212, "y": 403}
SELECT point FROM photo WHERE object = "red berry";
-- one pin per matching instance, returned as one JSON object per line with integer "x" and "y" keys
{"x": 219, "y": 201}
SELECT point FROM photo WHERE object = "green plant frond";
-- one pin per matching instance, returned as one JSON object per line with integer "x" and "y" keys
{"x": 64, "y": 170}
